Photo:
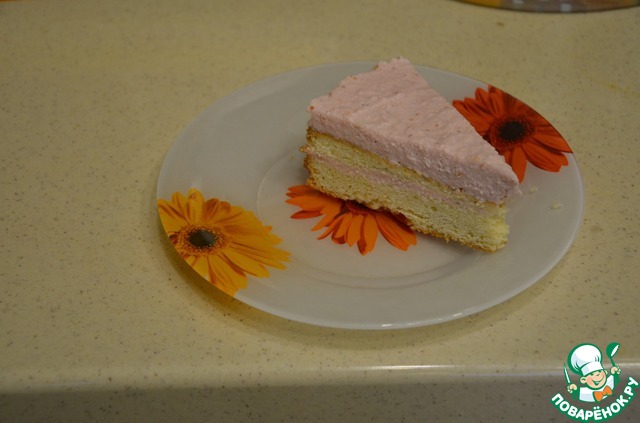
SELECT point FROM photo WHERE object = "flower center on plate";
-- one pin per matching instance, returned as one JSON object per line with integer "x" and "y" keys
{"x": 197, "y": 240}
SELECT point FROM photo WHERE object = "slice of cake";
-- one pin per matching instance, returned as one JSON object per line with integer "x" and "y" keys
{"x": 386, "y": 139}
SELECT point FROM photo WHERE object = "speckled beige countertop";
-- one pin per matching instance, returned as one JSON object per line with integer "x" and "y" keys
{"x": 101, "y": 321}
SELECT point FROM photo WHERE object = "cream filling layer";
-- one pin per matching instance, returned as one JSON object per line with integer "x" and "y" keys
{"x": 423, "y": 190}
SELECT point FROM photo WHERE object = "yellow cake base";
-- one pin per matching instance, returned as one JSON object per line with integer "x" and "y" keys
{"x": 345, "y": 171}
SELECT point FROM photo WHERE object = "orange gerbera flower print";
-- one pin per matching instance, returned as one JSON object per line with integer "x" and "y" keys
{"x": 223, "y": 243}
{"x": 517, "y": 131}
{"x": 349, "y": 222}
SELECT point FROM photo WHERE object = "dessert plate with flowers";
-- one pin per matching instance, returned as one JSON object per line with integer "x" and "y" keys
{"x": 233, "y": 202}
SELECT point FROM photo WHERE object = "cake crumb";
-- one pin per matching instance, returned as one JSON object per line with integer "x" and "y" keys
{"x": 556, "y": 206}
{"x": 533, "y": 190}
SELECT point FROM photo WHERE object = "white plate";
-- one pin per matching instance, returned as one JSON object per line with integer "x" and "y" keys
{"x": 243, "y": 149}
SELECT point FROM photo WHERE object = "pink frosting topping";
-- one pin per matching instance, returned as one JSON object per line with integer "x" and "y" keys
{"x": 393, "y": 112}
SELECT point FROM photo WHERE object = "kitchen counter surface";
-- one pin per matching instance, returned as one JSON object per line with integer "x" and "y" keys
{"x": 100, "y": 319}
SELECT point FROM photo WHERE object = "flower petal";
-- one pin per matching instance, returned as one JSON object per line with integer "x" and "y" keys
{"x": 225, "y": 277}
{"x": 355, "y": 229}
{"x": 305, "y": 214}
{"x": 263, "y": 254}
{"x": 552, "y": 139}
{"x": 171, "y": 216}
{"x": 200, "y": 265}
{"x": 331, "y": 212}
{"x": 245, "y": 263}
{"x": 369, "y": 235}
{"x": 194, "y": 206}
{"x": 395, "y": 233}
{"x": 343, "y": 225}
{"x": 333, "y": 226}
{"x": 518, "y": 161}
{"x": 300, "y": 190}
{"x": 308, "y": 202}
{"x": 544, "y": 158}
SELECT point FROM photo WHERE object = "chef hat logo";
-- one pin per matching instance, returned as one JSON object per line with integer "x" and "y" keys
{"x": 585, "y": 359}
